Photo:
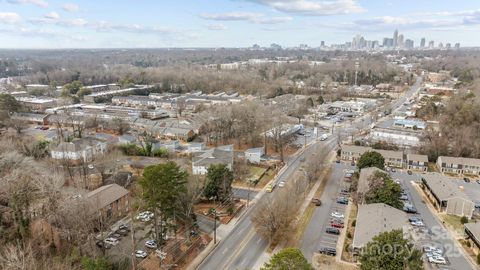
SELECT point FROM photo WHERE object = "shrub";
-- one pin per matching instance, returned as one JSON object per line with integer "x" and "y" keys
{"x": 464, "y": 220}
{"x": 478, "y": 258}
{"x": 467, "y": 243}
{"x": 354, "y": 223}
{"x": 349, "y": 235}
{"x": 161, "y": 152}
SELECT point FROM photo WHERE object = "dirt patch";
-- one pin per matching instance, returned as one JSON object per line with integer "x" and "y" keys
{"x": 347, "y": 254}
{"x": 225, "y": 211}
{"x": 320, "y": 261}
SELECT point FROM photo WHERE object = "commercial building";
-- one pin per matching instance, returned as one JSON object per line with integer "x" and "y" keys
{"x": 447, "y": 196}
{"x": 458, "y": 165}
{"x": 374, "y": 219}
{"x": 33, "y": 103}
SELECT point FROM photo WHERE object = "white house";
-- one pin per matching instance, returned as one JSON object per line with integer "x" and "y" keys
{"x": 254, "y": 155}
{"x": 201, "y": 161}
{"x": 78, "y": 150}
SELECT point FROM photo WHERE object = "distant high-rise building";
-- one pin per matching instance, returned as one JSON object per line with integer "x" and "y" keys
{"x": 395, "y": 38}
{"x": 457, "y": 46}
{"x": 322, "y": 43}
{"x": 387, "y": 42}
{"x": 422, "y": 43}
{"x": 431, "y": 44}
{"x": 440, "y": 45}
{"x": 400, "y": 43}
{"x": 448, "y": 45}
{"x": 409, "y": 44}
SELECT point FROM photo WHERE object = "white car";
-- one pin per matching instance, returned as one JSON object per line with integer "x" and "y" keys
{"x": 433, "y": 254}
{"x": 141, "y": 254}
{"x": 144, "y": 216}
{"x": 111, "y": 241}
{"x": 337, "y": 215}
{"x": 151, "y": 244}
{"x": 432, "y": 249}
{"x": 417, "y": 223}
{"x": 281, "y": 184}
{"x": 437, "y": 260}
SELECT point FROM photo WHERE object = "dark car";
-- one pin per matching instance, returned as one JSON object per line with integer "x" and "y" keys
{"x": 409, "y": 172}
{"x": 342, "y": 200}
{"x": 333, "y": 231}
{"x": 102, "y": 244}
{"x": 337, "y": 161}
{"x": 328, "y": 251}
{"x": 122, "y": 232}
{"x": 124, "y": 227}
{"x": 478, "y": 181}
{"x": 466, "y": 180}
{"x": 410, "y": 210}
{"x": 317, "y": 202}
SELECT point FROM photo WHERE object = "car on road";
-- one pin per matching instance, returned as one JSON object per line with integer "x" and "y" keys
{"x": 328, "y": 251}
{"x": 437, "y": 260}
{"x": 466, "y": 179}
{"x": 141, "y": 254}
{"x": 151, "y": 244}
{"x": 270, "y": 188}
{"x": 124, "y": 227}
{"x": 281, "y": 184}
{"x": 337, "y": 161}
{"x": 337, "y": 215}
{"x": 478, "y": 182}
{"x": 342, "y": 200}
{"x": 111, "y": 241}
{"x": 409, "y": 172}
{"x": 317, "y": 201}
{"x": 404, "y": 197}
{"x": 144, "y": 216}
{"x": 333, "y": 231}
{"x": 428, "y": 248}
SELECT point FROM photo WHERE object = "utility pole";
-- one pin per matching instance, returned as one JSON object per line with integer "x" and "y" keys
{"x": 214, "y": 222}
{"x": 357, "y": 65}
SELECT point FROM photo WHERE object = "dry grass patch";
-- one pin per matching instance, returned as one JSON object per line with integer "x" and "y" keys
{"x": 321, "y": 261}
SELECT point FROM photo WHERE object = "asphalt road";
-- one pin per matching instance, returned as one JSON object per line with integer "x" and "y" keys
{"x": 243, "y": 247}
{"x": 439, "y": 236}
{"x": 242, "y": 193}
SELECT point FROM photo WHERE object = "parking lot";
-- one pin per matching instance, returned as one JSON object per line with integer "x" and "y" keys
{"x": 432, "y": 234}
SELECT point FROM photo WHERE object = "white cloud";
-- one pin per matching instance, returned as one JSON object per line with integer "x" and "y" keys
{"x": 9, "y": 17}
{"x": 313, "y": 7}
{"x": 71, "y": 7}
{"x": 245, "y": 16}
{"x": 216, "y": 27}
{"x": 40, "y": 3}
{"x": 52, "y": 16}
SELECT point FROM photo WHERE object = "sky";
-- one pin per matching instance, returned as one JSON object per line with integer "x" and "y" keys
{"x": 231, "y": 23}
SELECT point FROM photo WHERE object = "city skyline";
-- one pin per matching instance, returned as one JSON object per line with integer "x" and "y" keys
{"x": 239, "y": 23}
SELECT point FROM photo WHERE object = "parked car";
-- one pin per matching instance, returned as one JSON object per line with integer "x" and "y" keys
{"x": 404, "y": 197}
{"x": 478, "y": 181}
{"x": 151, "y": 244}
{"x": 337, "y": 220}
{"x": 270, "y": 188}
{"x": 337, "y": 161}
{"x": 410, "y": 209}
{"x": 281, "y": 184}
{"x": 124, "y": 227}
{"x": 102, "y": 244}
{"x": 427, "y": 248}
{"x": 437, "y": 260}
{"x": 121, "y": 232}
{"x": 466, "y": 179}
{"x": 337, "y": 225}
{"x": 409, "y": 172}
{"x": 111, "y": 241}
{"x": 342, "y": 200}
{"x": 393, "y": 170}
{"x": 144, "y": 216}
{"x": 141, "y": 254}
{"x": 337, "y": 215}
{"x": 317, "y": 201}
{"x": 328, "y": 251}
{"x": 417, "y": 223}
{"x": 333, "y": 231}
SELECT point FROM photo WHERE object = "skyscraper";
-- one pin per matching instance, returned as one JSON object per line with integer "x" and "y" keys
{"x": 395, "y": 38}
{"x": 457, "y": 46}
{"x": 422, "y": 43}
{"x": 431, "y": 44}
{"x": 409, "y": 44}
{"x": 400, "y": 41}
{"x": 322, "y": 43}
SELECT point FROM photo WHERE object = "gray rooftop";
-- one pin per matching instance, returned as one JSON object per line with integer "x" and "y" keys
{"x": 417, "y": 158}
{"x": 459, "y": 160}
{"x": 104, "y": 196}
{"x": 474, "y": 228}
{"x": 373, "y": 219}
{"x": 443, "y": 187}
{"x": 364, "y": 179}
{"x": 212, "y": 156}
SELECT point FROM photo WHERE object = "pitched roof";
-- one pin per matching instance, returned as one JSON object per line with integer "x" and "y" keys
{"x": 419, "y": 158}
{"x": 104, "y": 196}
{"x": 459, "y": 160}
{"x": 356, "y": 149}
{"x": 373, "y": 219}
{"x": 212, "y": 156}
{"x": 390, "y": 154}
{"x": 363, "y": 181}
